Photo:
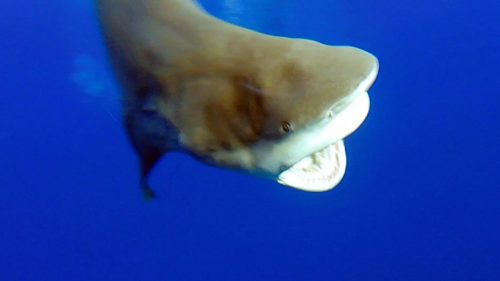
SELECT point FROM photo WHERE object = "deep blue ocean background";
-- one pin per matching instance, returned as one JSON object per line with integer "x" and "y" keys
{"x": 420, "y": 200}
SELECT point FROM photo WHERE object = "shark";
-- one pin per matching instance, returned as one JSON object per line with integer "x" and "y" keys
{"x": 231, "y": 97}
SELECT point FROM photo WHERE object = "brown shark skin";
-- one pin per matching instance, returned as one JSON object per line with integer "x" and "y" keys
{"x": 195, "y": 83}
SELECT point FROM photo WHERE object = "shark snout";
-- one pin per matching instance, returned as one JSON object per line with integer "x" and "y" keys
{"x": 371, "y": 68}
{"x": 358, "y": 66}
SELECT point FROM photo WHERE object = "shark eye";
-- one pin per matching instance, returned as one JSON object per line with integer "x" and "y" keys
{"x": 286, "y": 127}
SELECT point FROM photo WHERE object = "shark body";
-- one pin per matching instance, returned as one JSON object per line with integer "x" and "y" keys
{"x": 232, "y": 97}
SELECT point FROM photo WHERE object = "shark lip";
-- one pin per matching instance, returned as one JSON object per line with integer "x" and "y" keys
{"x": 324, "y": 169}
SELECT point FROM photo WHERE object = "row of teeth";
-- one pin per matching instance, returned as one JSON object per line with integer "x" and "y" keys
{"x": 321, "y": 166}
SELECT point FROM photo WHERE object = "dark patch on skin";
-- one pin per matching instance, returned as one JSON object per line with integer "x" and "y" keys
{"x": 216, "y": 119}
{"x": 225, "y": 145}
{"x": 292, "y": 71}
{"x": 236, "y": 117}
{"x": 251, "y": 110}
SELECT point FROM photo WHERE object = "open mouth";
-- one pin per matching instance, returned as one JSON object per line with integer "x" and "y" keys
{"x": 324, "y": 169}
{"x": 320, "y": 171}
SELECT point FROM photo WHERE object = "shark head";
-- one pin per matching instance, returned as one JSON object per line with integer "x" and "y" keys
{"x": 271, "y": 106}
{"x": 285, "y": 115}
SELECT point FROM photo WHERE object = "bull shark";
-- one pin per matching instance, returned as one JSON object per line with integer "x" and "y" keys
{"x": 271, "y": 106}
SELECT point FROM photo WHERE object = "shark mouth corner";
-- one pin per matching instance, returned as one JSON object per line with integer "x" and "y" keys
{"x": 324, "y": 169}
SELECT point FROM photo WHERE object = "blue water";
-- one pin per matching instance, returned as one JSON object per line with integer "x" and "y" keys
{"x": 420, "y": 200}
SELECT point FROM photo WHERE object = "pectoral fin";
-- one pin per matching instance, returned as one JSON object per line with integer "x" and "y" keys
{"x": 152, "y": 136}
